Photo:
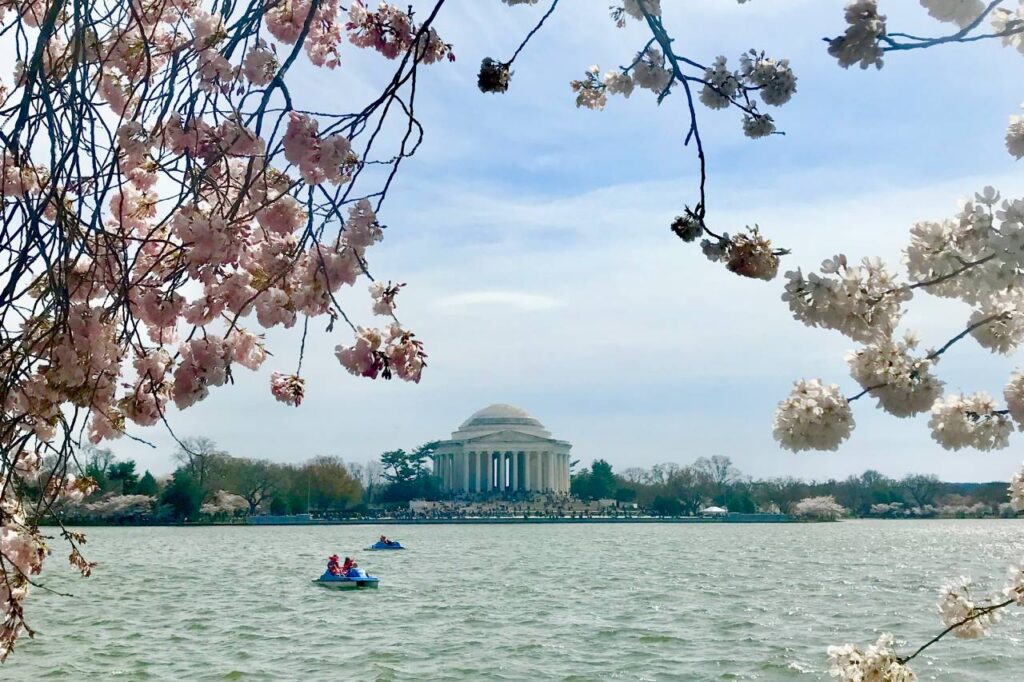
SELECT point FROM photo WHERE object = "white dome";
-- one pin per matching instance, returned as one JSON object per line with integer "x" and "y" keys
{"x": 499, "y": 411}
{"x": 500, "y": 417}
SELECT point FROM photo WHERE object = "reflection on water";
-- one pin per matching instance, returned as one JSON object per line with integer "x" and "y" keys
{"x": 570, "y": 602}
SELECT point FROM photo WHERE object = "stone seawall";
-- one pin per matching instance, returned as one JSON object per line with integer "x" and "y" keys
{"x": 731, "y": 518}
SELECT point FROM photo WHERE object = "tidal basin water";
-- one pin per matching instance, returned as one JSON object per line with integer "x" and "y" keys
{"x": 516, "y": 602}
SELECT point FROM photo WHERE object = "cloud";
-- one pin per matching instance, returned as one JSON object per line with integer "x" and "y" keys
{"x": 511, "y": 299}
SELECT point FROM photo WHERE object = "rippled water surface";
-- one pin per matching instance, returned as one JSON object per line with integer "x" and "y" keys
{"x": 516, "y": 602}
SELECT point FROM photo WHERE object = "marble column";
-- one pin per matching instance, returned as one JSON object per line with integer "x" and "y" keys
{"x": 464, "y": 462}
{"x": 528, "y": 457}
{"x": 501, "y": 472}
{"x": 515, "y": 472}
{"x": 549, "y": 470}
{"x": 568, "y": 474}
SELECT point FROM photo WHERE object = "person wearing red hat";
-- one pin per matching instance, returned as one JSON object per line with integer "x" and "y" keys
{"x": 332, "y": 565}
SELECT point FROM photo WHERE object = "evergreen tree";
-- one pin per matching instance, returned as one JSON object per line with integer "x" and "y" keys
{"x": 147, "y": 485}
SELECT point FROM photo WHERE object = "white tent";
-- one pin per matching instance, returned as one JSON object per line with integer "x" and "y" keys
{"x": 713, "y": 511}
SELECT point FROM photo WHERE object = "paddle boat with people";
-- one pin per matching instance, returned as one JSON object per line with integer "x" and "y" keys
{"x": 385, "y": 543}
{"x": 347, "y": 576}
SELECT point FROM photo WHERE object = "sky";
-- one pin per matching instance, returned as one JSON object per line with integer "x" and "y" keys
{"x": 534, "y": 240}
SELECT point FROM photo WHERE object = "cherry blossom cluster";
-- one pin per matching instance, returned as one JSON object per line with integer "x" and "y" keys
{"x": 288, "y": 388}
{"x": 969, "y": 421}
{"x": 758, "y": 73}
{"x": 976, "y": 257}
{"x": 815, "y": 416}
{"x": 959, "y": 12}
{"x": 1015, "y": 137}
{"x": 22, "y": 546}
{"x": 822, "y": 508}
{"x": 386, "y": 352}
{"x": 860, "y": 301}
{"x": 860, "y": 44}
{"x": 112, "y": 506}
{"x": 224, "y": 502}
{"x": 748, "y": 254}
{"x": 1017, "y": 491}
{"x": 903, "y": 384}
{"x": 383, "y": 295}
{"x": 195, "y": 205}
{"x": 649, "y": 71}
{"x": 877, "y": 663}
{"x": 392, "y": 32}
{"x": 866, "y": 39}
{"x": 654, "y": 70}
{"x": 1007, "y": 23}
{"x": 959, "y": 610}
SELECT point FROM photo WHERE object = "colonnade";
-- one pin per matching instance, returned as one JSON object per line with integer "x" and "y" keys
{"x": 503, "y": 471}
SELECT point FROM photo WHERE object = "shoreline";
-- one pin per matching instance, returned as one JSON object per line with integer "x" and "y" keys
{"x": 744, "y": 518}
{"x": 490, "y": 521}
{"x": 511, "y": 521}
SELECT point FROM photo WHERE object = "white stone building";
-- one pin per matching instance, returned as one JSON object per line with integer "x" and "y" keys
{"x": 502, "y": 448}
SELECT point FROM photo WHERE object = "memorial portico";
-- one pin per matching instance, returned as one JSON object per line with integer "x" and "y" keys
{"x": 502, "y": 449}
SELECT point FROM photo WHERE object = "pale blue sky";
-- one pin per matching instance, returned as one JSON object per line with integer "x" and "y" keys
{"x": 541, "y": 272}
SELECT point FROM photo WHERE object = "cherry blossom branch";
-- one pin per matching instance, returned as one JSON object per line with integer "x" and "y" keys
{"x": 948, "y": 276}
{"x": 980, "y": 323}
{"x": 936, "y": 353}
{"x": 978, "y": 613}
{"x": 962, "y": 36}
{"x": 865, "y": 392}
{"x": 533, "y": 31}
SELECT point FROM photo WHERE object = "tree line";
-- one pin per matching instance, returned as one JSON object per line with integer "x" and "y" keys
{"x": 673, "y": 490}
{"x": 210, "y": 484}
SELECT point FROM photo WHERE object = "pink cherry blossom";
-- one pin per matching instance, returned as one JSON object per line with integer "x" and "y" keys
{"x": 288, "y": 388}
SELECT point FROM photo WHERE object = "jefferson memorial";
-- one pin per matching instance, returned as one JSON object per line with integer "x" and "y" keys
{"x": 502, "y": 448}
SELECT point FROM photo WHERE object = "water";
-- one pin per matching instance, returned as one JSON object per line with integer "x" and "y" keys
{"x": 562, "y": 602}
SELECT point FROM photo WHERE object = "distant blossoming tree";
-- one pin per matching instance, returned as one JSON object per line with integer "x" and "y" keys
{"x": 166, "y": 196}
{"x": 224, "y": 502}
{"x": 977, "y": 257}
{"x": 819, "y": 508}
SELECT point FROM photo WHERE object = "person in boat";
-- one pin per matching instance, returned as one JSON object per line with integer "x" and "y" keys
{"x": 332, "y": 565}
{"x": 349, "y": 563}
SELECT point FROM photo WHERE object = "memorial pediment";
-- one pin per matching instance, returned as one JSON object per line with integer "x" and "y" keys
{"x": 508, "y": 437}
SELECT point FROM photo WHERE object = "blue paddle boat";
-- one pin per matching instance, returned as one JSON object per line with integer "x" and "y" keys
{"x": 357, "y": 579}
{"x": 384, "y": 546}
